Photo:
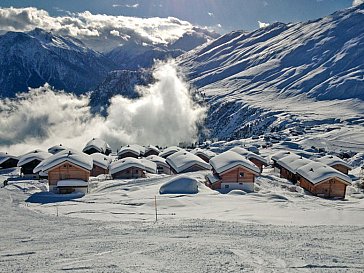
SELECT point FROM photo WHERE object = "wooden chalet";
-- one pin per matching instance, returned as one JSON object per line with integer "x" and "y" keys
{"x": 97, "y": 145}
{"x": 29, "y": 161}
{"x": 67, "y": 165}
{"x": 183, "y": 162}
{"x": 162, "y": 166}
{"x": 8, "y": 161}
{"x": 205, "y": 155}
{"x": 151, "y": 150}
{"x": 258, "y": 160}
{"x": 289, "y": 165}
{"x": 127, "y": 168}
{"x": 323, "y": 180}
{"x": 232, "y": 171}
{"x": 170, "y": 151}
{"x": 133, "y": 150}
{"x": 336, "y": 163}
{"x": 101, "y": 164}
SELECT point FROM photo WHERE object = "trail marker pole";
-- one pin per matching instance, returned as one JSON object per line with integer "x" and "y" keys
{"x": 155, "y": 206}
{"x": 57, "y": 210}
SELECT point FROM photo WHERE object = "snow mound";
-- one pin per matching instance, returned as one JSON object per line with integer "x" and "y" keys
{"x": 237, "y": 192}
{"x": 180, "y": 185}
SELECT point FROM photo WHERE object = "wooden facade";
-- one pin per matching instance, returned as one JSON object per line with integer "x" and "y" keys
{"x": 238, "y": 175}
{"x": 258, "y": 163}
{"x": 151, "y": 152}
{"x": 97, "y": 170}
{"x": 341, "y": 168}
{"x": 284, "y": 173}
{"x": 65, "y": 171}
{"x": 130, "y": 173}
{"x": 203, "y": 157}
{"x": 329, "y": 188}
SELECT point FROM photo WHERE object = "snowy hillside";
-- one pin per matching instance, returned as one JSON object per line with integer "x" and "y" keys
{"x": 33, "y": 58}
{"x": 118, "y": 82}
{"x": 282, "y": 75}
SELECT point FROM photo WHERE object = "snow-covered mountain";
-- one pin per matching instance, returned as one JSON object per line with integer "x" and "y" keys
{"x": 135, "y": 53}
{"x": 282, "y": 75}
{"x": 118, "y": 82}
{"x": 32, "y": 58}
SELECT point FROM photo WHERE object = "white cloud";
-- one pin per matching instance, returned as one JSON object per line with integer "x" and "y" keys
{"x": 210, "y": 14}
{"x": 134, "y": 6}
{"x": 261, "y": 24}
{"x": 93, "y": 28}
{"x": 164, "y": 115}
{"x": 357, "y": 2}
{"x": 265, "y": 3}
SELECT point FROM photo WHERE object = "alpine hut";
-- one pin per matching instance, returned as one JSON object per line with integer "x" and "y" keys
{"x": 30, "y": 160}
{"x": 101, "y": 164}
{"x": 127, "y": 168}
{"x": 289, "y": 165}
{"x": 258, "y": 160}
{"x": 205, "y": 155}
{"x": 232, "y": 171}
{"x": 56, "y": 149}
{"x": 183, "y": 162}
{"x": 68, "y": 171}
{"x": 97, "y": 145}
{"x": 169, "y": 151}
{"x": 151, "y": 150}
{"x": 336, "y": 163}
{"x": 323, "y": 180}
{"x": 8, "y": 161}
{"x": 133, "y": 150}
{"x": 162, "y": 166}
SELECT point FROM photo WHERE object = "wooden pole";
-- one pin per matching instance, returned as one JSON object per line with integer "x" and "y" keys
{"x": 57, "y": 210}
{"x": 155, "y": 206}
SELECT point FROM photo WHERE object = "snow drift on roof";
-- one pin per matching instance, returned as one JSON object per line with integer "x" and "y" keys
{"x": 98, "y": 144}
{"x": 80, "y": 159}
{"x": 29, "y": 157}
{"x": 230, "y": 159}
{"x": 293, "y": 162}
{"x": 160, "y": 161}
{"x": 5, "y": 156}
{"x": 152, "y": 148}
{"x": 280, "y": 155}
{"x": 316, "y": 172}
{"x": 332, "y": 160}
{"x": 182, "y": 160}
{"x": 134, "y": 149}
{"x": 248, "y": 154}
{"x": 201, "y": 152}
{"x": 180, "y": 185}
{"x": 56, "y": 148}
{"x": 101, "y": 160}
{"x": 169, "y": 151}
{"x": 126, "y": 163}
{"x": 150, "y": 166}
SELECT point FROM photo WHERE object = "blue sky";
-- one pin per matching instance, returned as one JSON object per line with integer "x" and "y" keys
{"x": 224, "y": 15}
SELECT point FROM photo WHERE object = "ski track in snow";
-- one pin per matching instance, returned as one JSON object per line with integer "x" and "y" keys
{"x": 112, "y": 229}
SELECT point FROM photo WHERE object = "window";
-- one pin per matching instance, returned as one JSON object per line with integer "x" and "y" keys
{"x": 240, "y": 183}
{"x": 226, "y": 186}
{"x": 136, "y": 171}
{"x": 241, "y": 174}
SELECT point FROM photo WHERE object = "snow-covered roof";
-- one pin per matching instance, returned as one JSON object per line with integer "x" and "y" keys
{"x": 5, "y": 156}
{"x": 212, "y": 178}
{"x": 150, "y": 166}
{"x": 98, "y": 144}
{"x": 133, "y": 148}
{"x": 160, "y": 161}
{"x": 230, "y": 159}
{"x": 101, "y": 160}
{"x": 183, "y": 160}
{"x": 56, "y": 149}
{"x": 29, "y": 157}
{"x": 277, "y": 156}
{"x": 152, "y": 148}
{"x": 332, "y": 160}
{"x": 316, "y": 172}
{"x": 72, "y": 183}
{"x": 240, "y": 150}
{"x": 180, "y": 185}
{"x": 80, "y": 159}
{"x": 125, "y": 163}
{"x": 202, "y": 152}
{"x": 293, "y": 162}
{"x": 169, "y": 151}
